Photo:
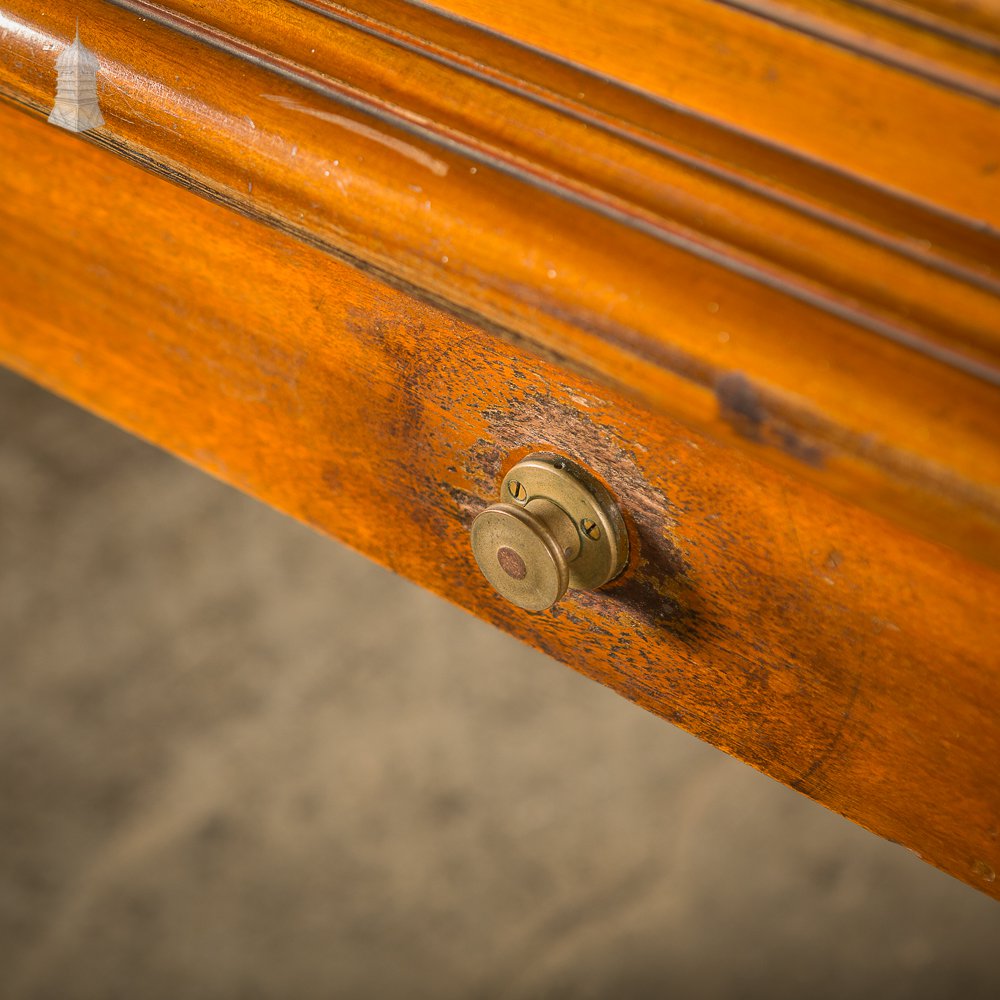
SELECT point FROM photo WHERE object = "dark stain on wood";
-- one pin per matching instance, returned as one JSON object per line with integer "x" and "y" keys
{"x": 742, "y": 406}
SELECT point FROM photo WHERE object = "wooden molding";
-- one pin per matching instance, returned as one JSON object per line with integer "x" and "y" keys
{"x": 818, "y": 288}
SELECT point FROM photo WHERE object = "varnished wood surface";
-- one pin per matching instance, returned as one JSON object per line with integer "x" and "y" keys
{"x": 817, "y": 288}
{"x": 976, "y": 21}
{"x": 914, "y": 122}
{"x": 820, "y": 643}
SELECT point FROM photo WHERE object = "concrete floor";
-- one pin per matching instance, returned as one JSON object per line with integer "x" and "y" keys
{"x": 236, "y": 760}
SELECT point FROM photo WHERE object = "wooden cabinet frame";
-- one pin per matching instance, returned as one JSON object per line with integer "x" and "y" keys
{"x": 739, "y": 260}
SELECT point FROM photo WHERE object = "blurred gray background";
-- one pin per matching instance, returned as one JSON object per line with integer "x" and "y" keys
{"x": 237, "y": 760}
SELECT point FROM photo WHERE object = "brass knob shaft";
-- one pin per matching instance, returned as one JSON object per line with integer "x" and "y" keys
{"x": 555, "y": 528}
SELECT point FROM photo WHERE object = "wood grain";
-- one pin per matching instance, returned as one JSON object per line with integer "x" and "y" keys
{"x": 820, "y": 643}
{"x": 810, "y": 313}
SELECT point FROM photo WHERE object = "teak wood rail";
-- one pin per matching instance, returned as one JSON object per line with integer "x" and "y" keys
{"x": 736, "y": 259}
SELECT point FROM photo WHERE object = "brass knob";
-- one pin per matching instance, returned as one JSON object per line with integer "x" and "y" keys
{"x": 555, "y": 528}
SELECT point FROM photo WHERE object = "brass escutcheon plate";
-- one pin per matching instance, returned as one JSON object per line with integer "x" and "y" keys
{"x": 587, "y": 503}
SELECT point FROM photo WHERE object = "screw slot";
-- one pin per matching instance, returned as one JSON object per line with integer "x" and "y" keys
{"x": 590, "y": 529}
{"x": 517, "y": 491}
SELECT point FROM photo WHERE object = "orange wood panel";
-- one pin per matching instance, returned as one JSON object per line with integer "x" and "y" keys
{"x": 809, "y": 316}
{"x": 816, "y": 641}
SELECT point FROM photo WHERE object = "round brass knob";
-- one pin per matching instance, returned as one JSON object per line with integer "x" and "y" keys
{"x": 525, "y": 551}
{"x": 554, "y": 528}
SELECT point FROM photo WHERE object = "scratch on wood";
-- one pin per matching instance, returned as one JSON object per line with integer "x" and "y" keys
{"x": 802, "y": 783}
{"x": 76, "y": 108}
{"x": 434, "y": 165}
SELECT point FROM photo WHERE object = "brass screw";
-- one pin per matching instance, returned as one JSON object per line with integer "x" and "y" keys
{"x": 590, "y": 529}
{"x": 517, "y": 491}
